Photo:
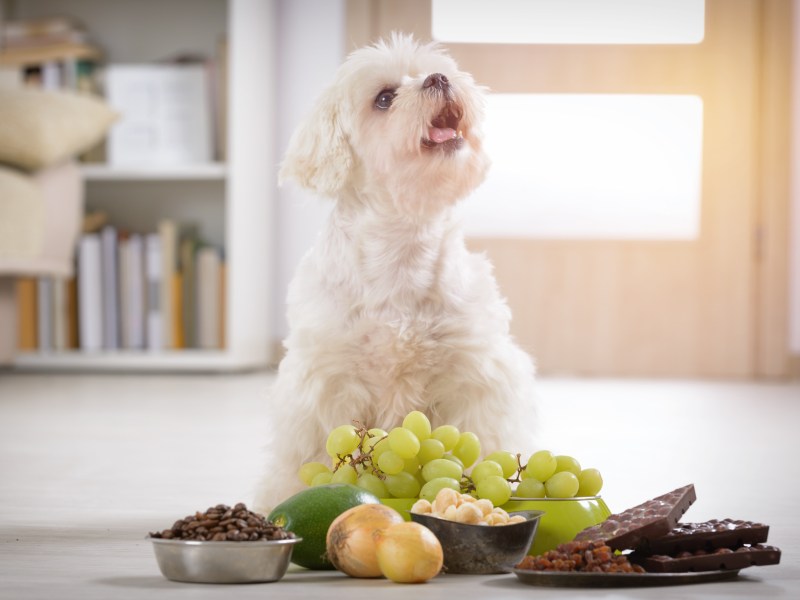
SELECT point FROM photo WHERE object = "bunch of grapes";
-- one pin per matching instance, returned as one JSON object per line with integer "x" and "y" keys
{"x": 415, "y": 461}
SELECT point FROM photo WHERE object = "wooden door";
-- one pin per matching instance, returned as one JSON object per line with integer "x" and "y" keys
{"x": 711, "y": 306}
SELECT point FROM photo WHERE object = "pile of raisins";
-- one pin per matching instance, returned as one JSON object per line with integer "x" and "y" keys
{"x": 588, "y": 556}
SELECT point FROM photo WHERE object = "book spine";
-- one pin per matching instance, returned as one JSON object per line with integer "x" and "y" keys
{"x": 168, "y": 235}
{"x": 27, "y": 336}
{"x": 136, "y": 300}
{"x": 208, "y": 264}
{"x": 44, "y": 313}
{"x": 90, "y": 293}
{"x": 110, "y": 288}
{"x": 153, "y": 274}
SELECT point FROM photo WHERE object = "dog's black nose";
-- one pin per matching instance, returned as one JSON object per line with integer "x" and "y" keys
{"x": 436, "y": 80}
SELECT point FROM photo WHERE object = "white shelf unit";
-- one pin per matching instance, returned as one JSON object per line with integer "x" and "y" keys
{"x": 201, "y": 172}
{"x": 233, "y": 202}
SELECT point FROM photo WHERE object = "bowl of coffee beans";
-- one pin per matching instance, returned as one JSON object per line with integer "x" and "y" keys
{"x": 224, "y": 544}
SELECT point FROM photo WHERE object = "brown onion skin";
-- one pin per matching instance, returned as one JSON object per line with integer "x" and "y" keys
{"x": 350, "y": 544}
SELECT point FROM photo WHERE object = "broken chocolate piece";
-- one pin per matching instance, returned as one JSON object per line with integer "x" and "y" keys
{"x": 700, "y": 560}
{"x": 647, "y": 521}
{"x": 709, "y": 535}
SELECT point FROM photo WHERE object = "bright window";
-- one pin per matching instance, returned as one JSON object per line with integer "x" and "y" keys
{"x": 590, "y": 166}
{"x": 569, "y": 21}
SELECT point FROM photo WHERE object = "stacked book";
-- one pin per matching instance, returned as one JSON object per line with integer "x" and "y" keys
{"x": 155, "y": 291}
{"x": 51, "y": 53}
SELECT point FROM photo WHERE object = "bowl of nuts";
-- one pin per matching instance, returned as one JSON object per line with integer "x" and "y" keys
{"x": 223, "y": 545}
{"x": 476, "y": 537}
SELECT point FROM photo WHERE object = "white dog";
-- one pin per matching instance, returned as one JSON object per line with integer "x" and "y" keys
{"x": 390, "y": 313}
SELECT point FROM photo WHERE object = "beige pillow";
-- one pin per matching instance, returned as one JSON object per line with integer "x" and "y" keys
{"x": 40, "y": 128}
{"x": 21, "y": 216}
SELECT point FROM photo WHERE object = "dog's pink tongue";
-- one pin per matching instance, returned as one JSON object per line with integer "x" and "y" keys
{"x": 441, "y": 134}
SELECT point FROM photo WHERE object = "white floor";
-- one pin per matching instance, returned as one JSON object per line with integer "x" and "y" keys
{"x": 90, "y": 464}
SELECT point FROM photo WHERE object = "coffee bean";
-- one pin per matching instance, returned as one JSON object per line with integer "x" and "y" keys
{"x": 221, "y": 523}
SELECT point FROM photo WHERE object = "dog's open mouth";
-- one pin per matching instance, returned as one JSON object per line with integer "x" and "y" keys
{"x": 443, "y": 131}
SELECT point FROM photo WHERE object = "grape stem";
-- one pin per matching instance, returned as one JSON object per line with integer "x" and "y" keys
{"x": 360, "y": 456}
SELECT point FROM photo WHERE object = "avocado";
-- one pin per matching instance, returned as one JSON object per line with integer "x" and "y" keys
{"x": 309, "y": 514}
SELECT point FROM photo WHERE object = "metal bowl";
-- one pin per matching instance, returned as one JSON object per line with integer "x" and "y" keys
{"x": 482, "y": 548}
{"x": 223, "y": 562}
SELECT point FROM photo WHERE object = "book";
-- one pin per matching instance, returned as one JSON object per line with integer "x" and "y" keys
{"x": 109, "y": 279}
{"x": 22, "y": 57}
{"x": 178, "y": 335}
{"x": 60, "y": 313}
{"x": 223, "y": 303}
{"x": 27, "y": 336}
{"x": 72, "y": 313}
{"x": 90, "y": 293}
{"x": 132, "y": 296}
{"x": 44, "y": 313}
{"x": 167, "y": 232}
{"x": 188, "y": 247}
{"x": 208, "y": 285}
{"x": 166, "y": 114}
{"x": 154, "y": 329}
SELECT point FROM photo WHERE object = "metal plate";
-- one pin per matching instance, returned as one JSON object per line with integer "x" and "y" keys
{"x": 578, "y": 579}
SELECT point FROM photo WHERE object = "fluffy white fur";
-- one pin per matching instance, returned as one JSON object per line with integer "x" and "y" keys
{"x": 389, "y": 312}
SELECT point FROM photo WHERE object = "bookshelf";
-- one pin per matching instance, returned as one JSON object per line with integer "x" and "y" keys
{"x": 232, "y": 201}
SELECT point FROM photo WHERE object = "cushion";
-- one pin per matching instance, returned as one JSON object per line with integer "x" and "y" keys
{"x": 40, "y": 220}
{"x": 40, "y": 128}
{"x": 21, "y": 216}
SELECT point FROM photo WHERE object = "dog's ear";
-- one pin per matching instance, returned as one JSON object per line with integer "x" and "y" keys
{"x": 319, "y": 156}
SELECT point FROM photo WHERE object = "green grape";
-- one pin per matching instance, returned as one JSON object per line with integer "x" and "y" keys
{"x": 374, "y": 436}
{"x": 448, "y": 435}
{"x": 441, "y": 467}
{"x": 321, "y": 479}
{"x": 432, "y": 487}
{"x": 403, "y": 442}
{"x": 380, "y": 446}
{"x": 567, "y": 463}
{"x": 524, "y": 474}
{"x": 429, "y": 450}
{"x": 402, "y": 485}
{"x": 541, "y": 465}
{"x": 484, "y": 469}
{"x": 563, "y": 484}
{"x": 342, "y": 440}
{"x": 418, "y": 424}
{"x": 310, "y": 469}
{"x": 373, "y": 484}
{"x": 344, "y": 474}
{"x": 506, "y": 460}
{"x": 390, "y": 463}
{"x": 530, "y": 488}
{"x": 455, "y": 459}
{"x": 590, "y": 482}
{"x": 468, "y": 448}
{"x": 494, "y": 488}
{"x": 411, "y": 465}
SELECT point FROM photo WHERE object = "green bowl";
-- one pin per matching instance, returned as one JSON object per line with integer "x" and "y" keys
{"x": 401, "y": 505}
{"x": 562, "y": 518}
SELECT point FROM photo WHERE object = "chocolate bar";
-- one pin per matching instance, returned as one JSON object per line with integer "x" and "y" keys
{"x": 709, "y": 535}
{"x": 647, "y": 521}
{"x": 700, "y": 560}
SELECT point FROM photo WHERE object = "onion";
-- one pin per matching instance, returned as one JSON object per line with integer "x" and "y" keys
{"x": 408, "y": 553}
{"x": 350, "y": 544}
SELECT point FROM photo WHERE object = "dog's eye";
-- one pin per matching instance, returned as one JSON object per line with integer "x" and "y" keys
{"x": 384, "y": 99}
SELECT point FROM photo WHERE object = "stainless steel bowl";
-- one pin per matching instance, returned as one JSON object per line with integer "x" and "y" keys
{"x": 223, "y": 562}
{"x": 482, "y": 548}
